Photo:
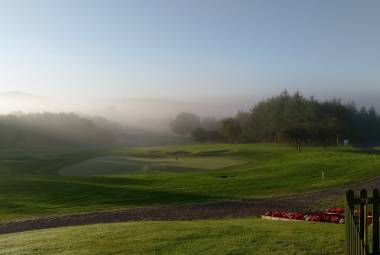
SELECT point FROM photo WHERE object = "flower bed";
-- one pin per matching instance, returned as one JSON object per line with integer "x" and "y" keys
{"x": 331, "y": 215}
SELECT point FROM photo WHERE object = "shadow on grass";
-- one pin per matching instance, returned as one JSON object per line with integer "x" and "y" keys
{"x": 28, "y": 196}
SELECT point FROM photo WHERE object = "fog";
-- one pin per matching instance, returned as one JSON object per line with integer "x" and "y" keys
{"x": 151, "y": 114}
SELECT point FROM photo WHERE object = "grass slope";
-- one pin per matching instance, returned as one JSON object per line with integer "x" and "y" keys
{"x": 237, "y": 236}
{"x": 30, "y": 184}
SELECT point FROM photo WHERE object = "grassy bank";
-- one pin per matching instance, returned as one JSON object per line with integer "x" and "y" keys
{"x": 237, "y": 236}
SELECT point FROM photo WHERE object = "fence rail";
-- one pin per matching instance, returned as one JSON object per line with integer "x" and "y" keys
{"x": 361, "y": 213}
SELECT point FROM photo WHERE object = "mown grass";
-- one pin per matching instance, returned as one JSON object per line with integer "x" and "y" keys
{"x": 30, "y": 184}
{"x": 122, "y": 164}
{"x": 236, "y": 236}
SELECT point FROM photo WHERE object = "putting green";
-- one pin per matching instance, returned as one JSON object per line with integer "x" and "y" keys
{"x": 116, "y": 164}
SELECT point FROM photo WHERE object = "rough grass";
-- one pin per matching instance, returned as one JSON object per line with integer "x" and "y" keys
{"x": 237, "y": 236}
{"x": 30, "y": 184}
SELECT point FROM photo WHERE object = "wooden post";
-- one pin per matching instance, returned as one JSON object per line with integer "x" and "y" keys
{"x": 362, "y": 220}
{"x": 375, "y": 222}
{"x": 357, "y": 234}
{"x": 350, "y": 226}
{"x": 365, "y": 243}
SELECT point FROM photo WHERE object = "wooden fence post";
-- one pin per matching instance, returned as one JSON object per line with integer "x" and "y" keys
{"x": 350, "y": 244}
{"x": 375, "y": 222}
{"x": 362, "y": 219}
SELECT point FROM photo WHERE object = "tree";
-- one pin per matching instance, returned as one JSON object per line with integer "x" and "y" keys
{"x": 328, "y": 130}
{"x": 294, "y": 118}
{"x": 199, "y": 135}
{"x": 202, "y": 135}
{"x": 185, "y": 123}
{"x": 230, "y": 129}
{"x": 210, "y": 124}
{"x": 298, "y": 134}
{"x": 286, "y": 117}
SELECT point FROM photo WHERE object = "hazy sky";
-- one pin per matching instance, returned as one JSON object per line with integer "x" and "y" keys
{"x": 184, "y": 50}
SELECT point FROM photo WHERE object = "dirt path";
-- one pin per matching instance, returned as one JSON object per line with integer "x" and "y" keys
{"x": 216, "y": 210}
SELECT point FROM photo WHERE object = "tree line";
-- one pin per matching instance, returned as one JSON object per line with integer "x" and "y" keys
{"x": 289, "y": 118}
{"x": 56, "y": 130}
{"x": 71, "y": 130}
{"x": 207, "y": 129}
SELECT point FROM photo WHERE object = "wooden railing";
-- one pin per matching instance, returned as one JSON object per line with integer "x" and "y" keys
{"x": 362, "y": 212}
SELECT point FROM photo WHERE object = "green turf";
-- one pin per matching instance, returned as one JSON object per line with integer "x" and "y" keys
{"x": 30, "y": 183}
{"x": 121, "y": 164}
{"x": 237, "y": 236}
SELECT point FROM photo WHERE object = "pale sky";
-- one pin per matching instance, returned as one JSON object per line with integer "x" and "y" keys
{"x": 190, "y": 50}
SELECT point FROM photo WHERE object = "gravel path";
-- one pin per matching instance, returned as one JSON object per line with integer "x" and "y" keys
{"x": 216, "y": 210}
